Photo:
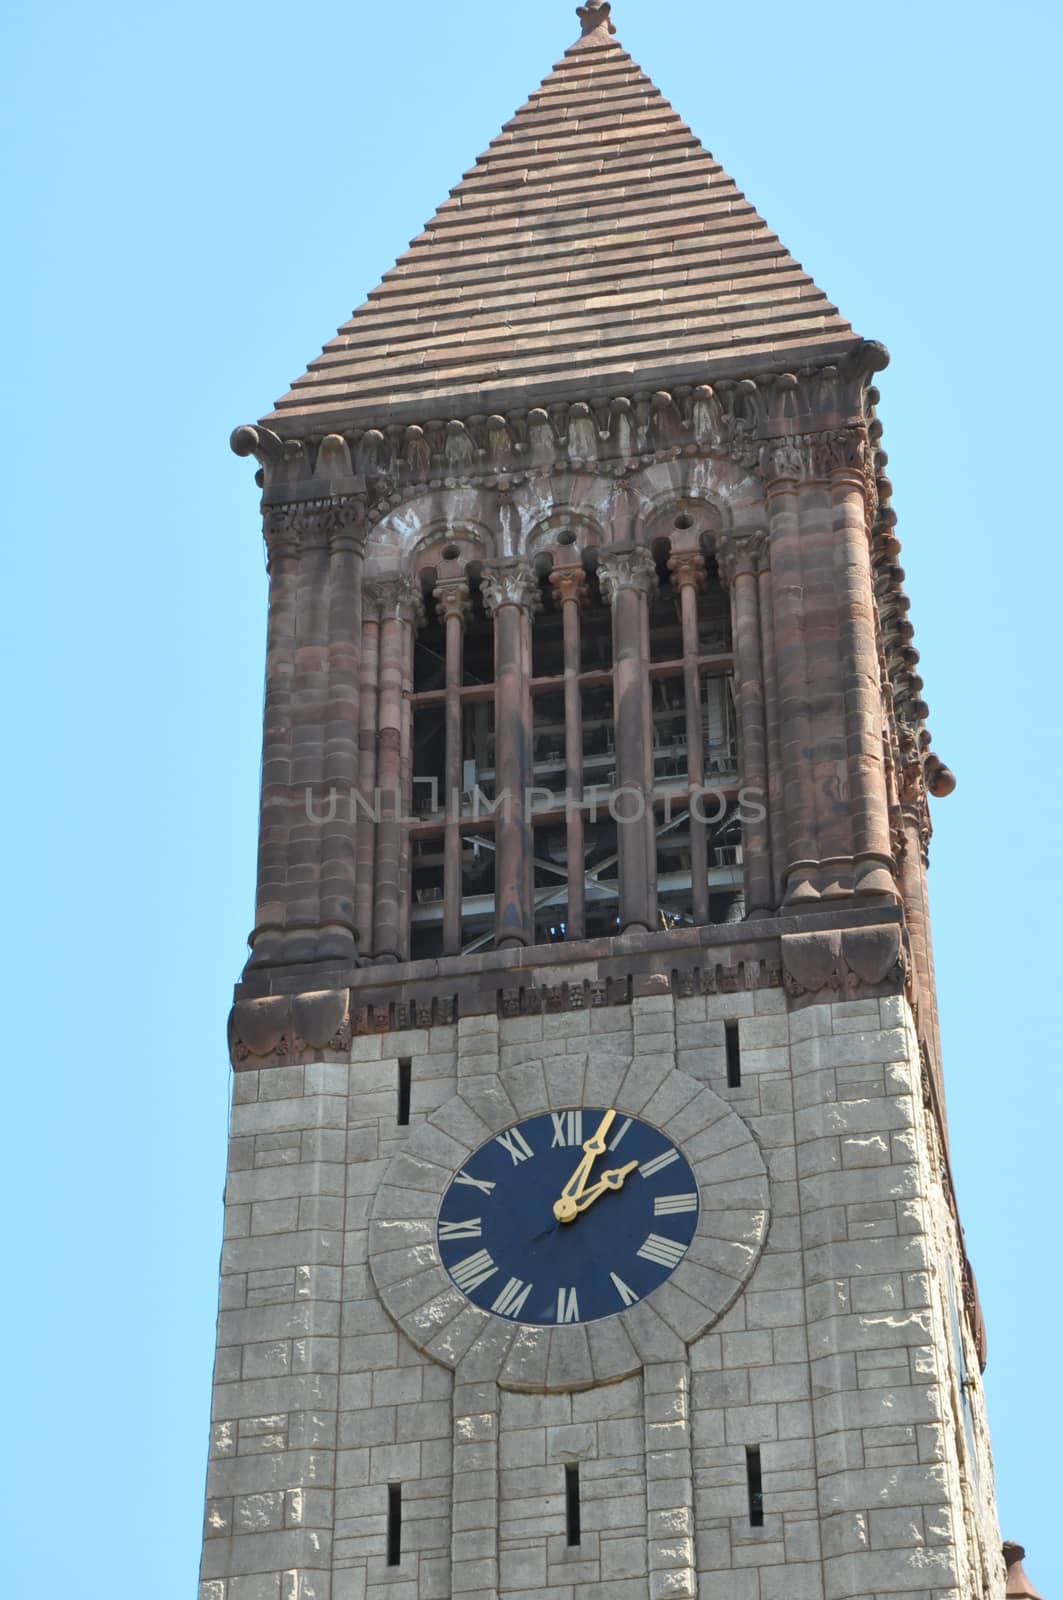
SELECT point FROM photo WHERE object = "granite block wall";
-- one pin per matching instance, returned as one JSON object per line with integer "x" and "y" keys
{"x": 844, "y": 1369}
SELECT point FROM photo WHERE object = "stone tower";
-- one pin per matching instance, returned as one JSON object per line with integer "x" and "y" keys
{"x": 590, "y": 1231}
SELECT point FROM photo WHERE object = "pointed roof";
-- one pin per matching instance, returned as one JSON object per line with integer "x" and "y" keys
{"x": 596, "y": 246}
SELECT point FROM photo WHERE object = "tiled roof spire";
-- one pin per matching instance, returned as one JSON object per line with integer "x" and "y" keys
{"x": 594, "y": 248}
{"x": 595, "y": 14}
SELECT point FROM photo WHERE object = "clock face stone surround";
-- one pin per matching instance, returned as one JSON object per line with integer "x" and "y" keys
{"x": 479, "y": 1345}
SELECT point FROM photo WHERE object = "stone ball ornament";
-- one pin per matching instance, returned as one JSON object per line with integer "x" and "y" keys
{"x": 558, "y": 1225}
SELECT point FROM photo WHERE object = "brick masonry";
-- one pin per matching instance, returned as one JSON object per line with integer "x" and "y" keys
{"x": 839, "y": 1358}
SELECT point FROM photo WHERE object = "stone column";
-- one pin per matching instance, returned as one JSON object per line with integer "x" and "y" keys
{"x": 868, "y": 805}
{"x": 406, "y": 778}
{"x": 511, "y": 593}
{"x": 400, "y": 613}
{"x": 649, "y": 776}
{"x": 771, "y": 718}
{"x": 309, "y": 694}
{"x": 278, "y": 799}
{"x": 571, "y": 586}
{"x": 452, "y": 604}
{"x": 914, "y": 862}
{"x": 798, "y": 846}
{"x": 346, "y": 542}
{"x": 738, "y": 559}
{"x": 627, "y": 578}
{"x": 367, "y": 773}
{"x": 688, "y": 574}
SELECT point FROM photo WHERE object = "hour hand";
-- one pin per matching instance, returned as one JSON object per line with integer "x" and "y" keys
{"x": 609, "y": 1180}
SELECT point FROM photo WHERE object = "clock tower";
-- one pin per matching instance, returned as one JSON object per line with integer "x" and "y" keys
{"x": 590, "y": 1230}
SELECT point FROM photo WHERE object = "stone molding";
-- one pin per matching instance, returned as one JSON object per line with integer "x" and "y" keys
{"x": 744, "y": 419}
{"x": 845, "y": 962}
{"x": 283, "y": 1030}
{"x": 480, "y": 1347}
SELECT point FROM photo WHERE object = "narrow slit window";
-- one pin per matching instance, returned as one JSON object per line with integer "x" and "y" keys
{"x": 394, "y": 1524}
{"x": 572, "y": 1505}
{"x": 405, "y": 1089}
{"x": 756, "y": 1487}
{"x": 734, "y": 1056}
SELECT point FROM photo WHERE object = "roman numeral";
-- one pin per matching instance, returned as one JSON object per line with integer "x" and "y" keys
{"x": 473, "y": 1229}
{"x": 475, "y": 1183}
{"x": 628, "y": 1296}
{"x": 619, "y": 1134}
{"x": 567, "y": 1306}
{"x": 664, "y": 1252}
{"x": 670, "y": 1205}
{"x": 474, "y": 1270}
{"x": 511, "y": 1301}
{"x": 516, "y": 1145}
{"x": 568, "y": 1128}
{"x": 650, "y": 1169}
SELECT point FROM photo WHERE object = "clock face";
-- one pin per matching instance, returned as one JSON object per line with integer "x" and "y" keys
{"x": 568, "y": 1217}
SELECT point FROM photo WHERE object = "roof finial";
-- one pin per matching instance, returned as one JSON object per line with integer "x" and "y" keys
{"x": 595, "y": 14}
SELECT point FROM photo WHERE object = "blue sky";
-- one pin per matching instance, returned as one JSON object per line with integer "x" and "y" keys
{"x": 197, "y": 197}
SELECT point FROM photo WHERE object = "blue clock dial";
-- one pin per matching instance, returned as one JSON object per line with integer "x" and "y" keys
{"x": 568, "y": 1217}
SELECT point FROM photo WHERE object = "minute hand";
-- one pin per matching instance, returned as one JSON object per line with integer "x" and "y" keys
{"x": 592, "y": 1149}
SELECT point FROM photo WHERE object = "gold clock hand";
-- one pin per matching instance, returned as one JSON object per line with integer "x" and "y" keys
{"x": 592, "y": 1149}
{"x": 613, "y": 1180}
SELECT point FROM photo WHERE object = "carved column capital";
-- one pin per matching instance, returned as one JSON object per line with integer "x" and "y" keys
{"x": 511, "y": 584}
{"x": 452, "y": 599}
{"x": 802, "y": 457}
{"x": 738, "y": 554}
{"x": 626, "y": 569}
{"x": 841, "y": 450}
{"x": 280, "y": 529}
{"x": 394, "y": 599}
{"x": 570, "y": 583}
{"x": 687, "y": 568}
{"x": 337, "y": 522}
